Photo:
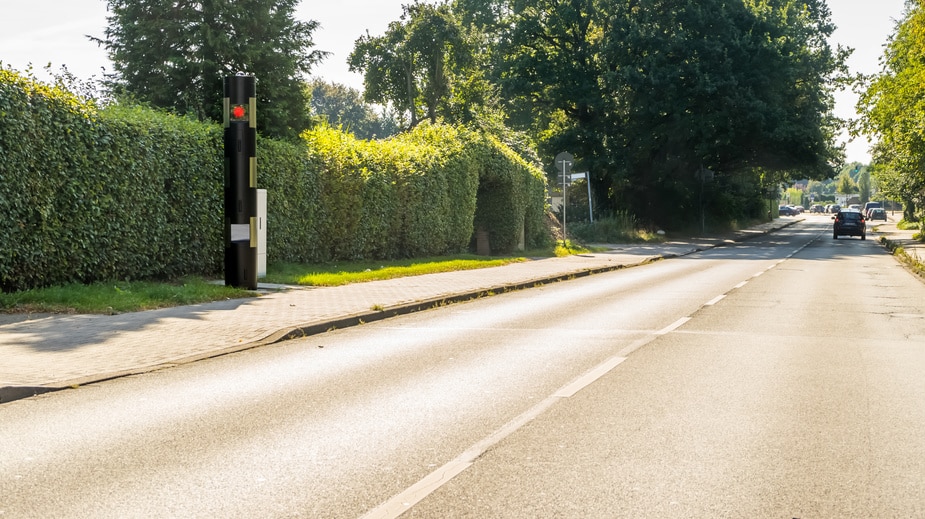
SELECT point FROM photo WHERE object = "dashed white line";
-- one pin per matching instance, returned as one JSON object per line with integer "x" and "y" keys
{"x": 400, "y": 503}
{"x": 585, "y": 380}
{"x": 673, "y": 326}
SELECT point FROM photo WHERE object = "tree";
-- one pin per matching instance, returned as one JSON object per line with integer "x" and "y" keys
{"x": 817, "y": 188}
{"x": 864, "y": 185}
{"x": 342, "y": 106}
{"x": 425, "y": 66}
{"x": 892, "y": 109}
{"x": 737, "y": 89}
{"x": 845, "y": 184}
{"x": 174, "y": 55}
{"x": 647, "y": 92}
{"x": 547, "y": 63}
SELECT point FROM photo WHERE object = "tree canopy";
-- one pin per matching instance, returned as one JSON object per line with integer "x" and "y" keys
{"x": 343, "y": 107}
{"x": 892, "y": 110}
{"x": 676, "y": 108}
{"x": 646, "y": 93}
{"x": 174, "y": 55}
{"x": 424, "y": 66}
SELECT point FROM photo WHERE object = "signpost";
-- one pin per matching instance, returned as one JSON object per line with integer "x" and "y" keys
{"x": 564, "y": 162}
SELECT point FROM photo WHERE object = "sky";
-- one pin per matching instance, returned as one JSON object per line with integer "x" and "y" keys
{"x": 55, "y": 31}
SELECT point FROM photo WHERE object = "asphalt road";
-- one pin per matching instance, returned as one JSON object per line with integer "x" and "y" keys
{"x": 781, "y": 377}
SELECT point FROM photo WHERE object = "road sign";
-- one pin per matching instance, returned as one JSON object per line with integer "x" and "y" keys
{"x": 564, "y": 162}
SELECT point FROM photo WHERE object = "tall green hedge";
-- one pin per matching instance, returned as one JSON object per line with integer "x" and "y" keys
{"x": 93, "y": 194}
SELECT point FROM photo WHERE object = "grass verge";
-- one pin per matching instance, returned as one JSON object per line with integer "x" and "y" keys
{"x": 342, "y": 273}
{"x": 912, "y": 261}
{"x": 118, "y": 297}
{"x": 121, "y": 297}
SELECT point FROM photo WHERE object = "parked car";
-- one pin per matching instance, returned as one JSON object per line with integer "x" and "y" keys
{"x": 849, "y": 223}
{"x": 876, "y": 213}
{"x": 818, "y": 208}
{"x": 834, "y": 208}
{"x": 871, "y": 205}
{"x": 786, "y": 210}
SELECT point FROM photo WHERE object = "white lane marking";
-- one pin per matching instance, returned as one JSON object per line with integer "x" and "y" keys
{"x": 673, "y": 326}
{"x": 400, "y": 503}
{"x": 586, "y": 379}
{"x": 635, "y": 345}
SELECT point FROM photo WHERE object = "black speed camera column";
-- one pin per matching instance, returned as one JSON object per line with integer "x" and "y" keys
{"x": 240, "y": 182}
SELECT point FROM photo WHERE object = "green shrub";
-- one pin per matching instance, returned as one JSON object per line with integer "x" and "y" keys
{"x": 124, "y": 193}
{"x": 94, "y": 194}
{"x": 621, "y": 227}
{"x": 906, "y": 225}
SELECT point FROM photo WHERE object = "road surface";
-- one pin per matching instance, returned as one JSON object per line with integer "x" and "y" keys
{"x": 780, "y": 377}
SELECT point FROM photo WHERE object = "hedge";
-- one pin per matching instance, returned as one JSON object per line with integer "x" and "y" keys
{"x": 92, "y": 194}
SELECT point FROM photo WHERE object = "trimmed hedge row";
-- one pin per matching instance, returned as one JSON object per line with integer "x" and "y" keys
{"x": 93, "y": 194}
{"x": 90, "y": 195}
{"x": 418, "y": 194}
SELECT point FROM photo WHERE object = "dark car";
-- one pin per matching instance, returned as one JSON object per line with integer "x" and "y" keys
{"x": 786, "y": 210}
{"x": 876, "y": 214}
{"x": 849, "y": 223}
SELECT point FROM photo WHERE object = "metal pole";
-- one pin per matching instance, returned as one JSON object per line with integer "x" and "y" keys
{"x": 703, "y": 221}
{"x": 590, "y": 209}
{"x": 564, "y": 204}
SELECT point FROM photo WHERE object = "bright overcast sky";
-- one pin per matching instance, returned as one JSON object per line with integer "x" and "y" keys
{"x": 38, "y": 33}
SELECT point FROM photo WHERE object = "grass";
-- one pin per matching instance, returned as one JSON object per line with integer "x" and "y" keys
{"x": 120, "y": 297}
{"x": 342, "y": 273}
{"x": 911, "y": 260}
{"x": 618, "y": 228}
{"x": 905, "y": 225}
{"x": 117, "y": 297}
{"x": 567, "y": 248}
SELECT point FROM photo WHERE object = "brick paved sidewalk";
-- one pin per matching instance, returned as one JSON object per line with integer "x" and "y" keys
{"x": 57, "y": 351}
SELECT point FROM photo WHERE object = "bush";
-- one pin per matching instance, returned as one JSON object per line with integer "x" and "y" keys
{"x": 619, "y": 228}
{"x": 100, "y": 194}
{"x": 130, "y": 193}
